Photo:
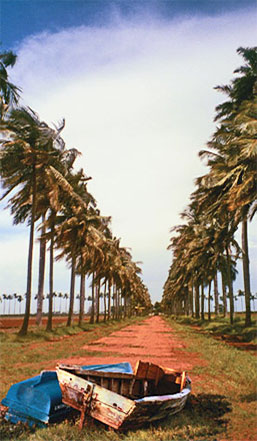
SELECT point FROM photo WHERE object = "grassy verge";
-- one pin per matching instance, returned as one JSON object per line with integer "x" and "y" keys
{"x": 220, "y": 326}
{"x": 24, "y": 357}
{"x": 224, "y": 389}
{"x": 222, "y": 405}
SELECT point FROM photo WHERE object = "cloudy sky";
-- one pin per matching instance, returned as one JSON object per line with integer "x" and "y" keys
{"x": 135, "y": 82}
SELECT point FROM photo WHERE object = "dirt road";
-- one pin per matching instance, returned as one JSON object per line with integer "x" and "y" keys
{"x": 151, "y": 340}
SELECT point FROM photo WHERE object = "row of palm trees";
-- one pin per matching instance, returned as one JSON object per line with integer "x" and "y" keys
{"x": 60, "y": 303}
{"x": 44, "y": 190}
{"x": 225, "y": 197}
{"x": 11, "y": 297}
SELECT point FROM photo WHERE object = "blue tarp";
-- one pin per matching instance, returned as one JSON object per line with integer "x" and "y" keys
{"x": 124, "y": 368}
{"x": 38, "y": 400}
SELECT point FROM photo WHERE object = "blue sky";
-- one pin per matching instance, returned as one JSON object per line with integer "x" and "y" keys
{"x": 20, "y": 18}
{"x": 134, "y": 81}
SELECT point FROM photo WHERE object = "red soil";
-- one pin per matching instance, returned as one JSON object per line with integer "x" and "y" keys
{"x": 151, "y": 340}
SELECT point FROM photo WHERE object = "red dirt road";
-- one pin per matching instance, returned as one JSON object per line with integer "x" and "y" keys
{"x": 151, "y": 340}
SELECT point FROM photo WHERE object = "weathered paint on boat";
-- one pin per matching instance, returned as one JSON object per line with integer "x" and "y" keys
{"x": 123, "y": 410}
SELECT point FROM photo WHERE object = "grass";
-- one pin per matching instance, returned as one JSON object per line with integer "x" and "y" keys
{"x": 220, "y": 326}
{"x": 24, "y": 357}
{"x": 221, "y": 406}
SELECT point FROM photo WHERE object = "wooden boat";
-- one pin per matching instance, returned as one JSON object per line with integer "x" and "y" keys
{"x": 123, "y": 399}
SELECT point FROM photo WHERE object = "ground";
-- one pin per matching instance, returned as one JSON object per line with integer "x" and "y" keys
{"x": 151, "y": 340}
{"x": 222, "y": 406}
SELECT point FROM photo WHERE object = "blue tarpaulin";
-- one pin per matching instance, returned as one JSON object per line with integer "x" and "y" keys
{"x": 124, "y": 368}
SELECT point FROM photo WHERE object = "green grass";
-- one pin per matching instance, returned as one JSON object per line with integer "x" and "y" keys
{"x": 23, "y": 357}
{"x": 220, "y": 326}
{"x": 221, "y": 406}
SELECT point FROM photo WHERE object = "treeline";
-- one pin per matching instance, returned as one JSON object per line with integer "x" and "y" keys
{"x": 226, "y": 196}
{"x": 45, "y": 190}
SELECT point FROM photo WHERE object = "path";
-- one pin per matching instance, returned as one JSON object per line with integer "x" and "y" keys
{"x": 151, "y": 340}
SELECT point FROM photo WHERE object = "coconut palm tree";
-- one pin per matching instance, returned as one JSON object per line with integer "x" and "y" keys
{"x": 27, "y": 158}
{"x": 60, "y": 296}
{"x": 66, "y": 296}
{"x": 76, "y": 236}
{"x": 38, "y": 172}
{"x": 20, "y": 159}
{"x": 9, "y": 93}
{"x": 10, "y": 298}
{"x": 238, "y": 120}
{"x": 5, "y": 297}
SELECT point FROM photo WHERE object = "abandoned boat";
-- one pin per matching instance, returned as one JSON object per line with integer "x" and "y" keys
{"x": 120, "y": 398}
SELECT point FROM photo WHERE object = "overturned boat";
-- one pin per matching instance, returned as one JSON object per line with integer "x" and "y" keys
{"x": 120, "y": 397}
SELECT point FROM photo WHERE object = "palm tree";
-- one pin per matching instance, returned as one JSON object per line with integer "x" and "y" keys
{"x": 66, "y": 296}
{"x": 238, "y": 119}
{"x": 9, "y": 94}
{"x": 9, "y": 297}
{"x": 5, "y": 297}
{"x": 15, "y": 296}
{"x": 20, "y": 299}
{"x": 225, "y": 196}
{"x": 25, "y": 158}
{"x": 50, "y": 199}
{"x": 60, "y": 296}
{"x": 240, "y": 294}
{"x": 40, "y": 159}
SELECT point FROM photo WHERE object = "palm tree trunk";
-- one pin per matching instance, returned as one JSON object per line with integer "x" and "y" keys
{"x": 49, "y": 326}
{"x": 115, "y": 300}
{"x": 191, "y": 298}
{"x": 109, "y": 299}
{"x": 230, "y": 287}
{"x": 197, "y": 301}
{"x": 209, "y": 302}
{"x": 97, "y": 301}
{"x": 216, "y": 294}
{"x": 92, "y": 318}
{"x": 105, "y": 301}
{"x": 82, "y": 297}
{"x": 41, "y": 274}
{"x": 246, "y": 272}
{"x": 118, "y": 304}
{"x": 25, "y": 324}
{"x": 72, "y": 289}
{"x": 125, "y": 306}
{"x": 202, "y": 301}
{"x": 224, "y": 294}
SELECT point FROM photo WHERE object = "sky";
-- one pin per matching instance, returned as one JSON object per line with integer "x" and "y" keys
{"x": 134, "y": 81}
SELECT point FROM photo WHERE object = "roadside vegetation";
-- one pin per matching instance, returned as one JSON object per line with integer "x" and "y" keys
{"x": 220, "y": 327}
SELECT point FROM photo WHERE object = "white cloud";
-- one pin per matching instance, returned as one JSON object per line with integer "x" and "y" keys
{"x": 138, "y": 99}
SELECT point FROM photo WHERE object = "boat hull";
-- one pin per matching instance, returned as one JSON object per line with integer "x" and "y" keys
{"x": 114, "y": 409}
